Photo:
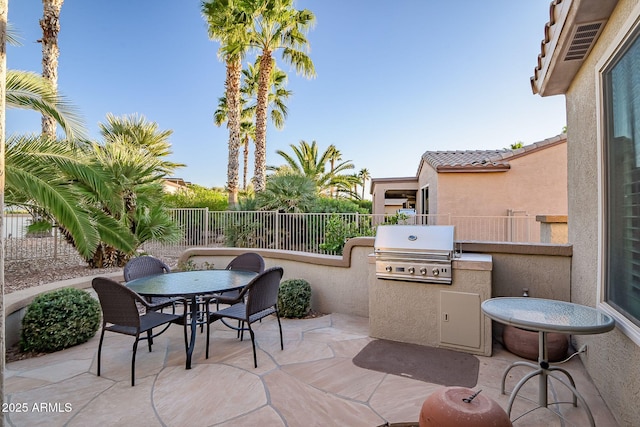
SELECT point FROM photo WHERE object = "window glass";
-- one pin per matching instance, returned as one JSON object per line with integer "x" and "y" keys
{"x": 622, "y": 165}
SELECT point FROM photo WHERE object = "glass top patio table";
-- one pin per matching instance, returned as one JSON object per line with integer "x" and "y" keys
{"x": 539, "y": 314}
{"x": 544, "y": 316}
{"x": 191, "y": 284}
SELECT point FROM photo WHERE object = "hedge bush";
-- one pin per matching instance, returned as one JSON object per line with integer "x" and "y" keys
{"x": 59, "y": 319}
{"x": 294, "y": 298}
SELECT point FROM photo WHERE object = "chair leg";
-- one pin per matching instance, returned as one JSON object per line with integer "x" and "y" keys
{"x": 186, "y": 341}
{"x": 253, "y": 345}
{"x": 100, "y": 349}
{"x": 133, "y": 360}
{"x": 149, "y": 339}
{"x": 208, "y": 327}
{"x": 280, "y": 327}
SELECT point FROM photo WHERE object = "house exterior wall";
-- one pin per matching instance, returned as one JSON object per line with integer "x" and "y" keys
{"x": 612, "y": 359}
{"x": 536, "y": 183}
{"x": 428, "y": 177}
{"x": 381, "y": 186}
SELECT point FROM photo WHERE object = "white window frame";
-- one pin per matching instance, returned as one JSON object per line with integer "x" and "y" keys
{"x": 625, "y": 34}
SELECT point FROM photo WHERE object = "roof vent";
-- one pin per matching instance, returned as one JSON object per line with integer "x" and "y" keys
{"x": 584, "y": 37}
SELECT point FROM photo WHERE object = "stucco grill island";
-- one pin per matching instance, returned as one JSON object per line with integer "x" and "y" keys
{"x": 426, "y": 293}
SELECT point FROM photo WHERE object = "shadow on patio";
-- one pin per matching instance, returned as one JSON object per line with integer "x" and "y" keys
{"x": 313, "y": 382}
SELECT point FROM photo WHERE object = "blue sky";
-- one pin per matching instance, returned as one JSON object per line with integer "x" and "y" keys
{"x": 394, "y": 78}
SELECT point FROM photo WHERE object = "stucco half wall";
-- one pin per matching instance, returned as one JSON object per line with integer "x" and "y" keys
{"x": 339, "y": 284}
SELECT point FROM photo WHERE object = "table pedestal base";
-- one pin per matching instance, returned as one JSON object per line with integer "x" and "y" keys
{"x": 544, "y": 370}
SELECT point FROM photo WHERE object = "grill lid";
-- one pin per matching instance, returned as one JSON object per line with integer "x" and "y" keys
{"x": 434, "y": 239}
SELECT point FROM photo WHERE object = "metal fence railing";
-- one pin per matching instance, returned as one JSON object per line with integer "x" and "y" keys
{"x": 20, "y": 244}
{"x": 307, "y": 232}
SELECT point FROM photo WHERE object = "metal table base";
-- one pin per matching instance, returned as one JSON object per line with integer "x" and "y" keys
{"x": 544, "y": 369}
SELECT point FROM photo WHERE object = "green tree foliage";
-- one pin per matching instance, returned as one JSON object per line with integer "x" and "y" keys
{"x": 214, "y": 199}
{"x": 287, "y": 192}
{"x": 133, "y": 156}
{"x": 42, "y": 177}
{"x": 308, "y": 161}
{"x": 330, "y": 205}
{"x": 30, "y": 91}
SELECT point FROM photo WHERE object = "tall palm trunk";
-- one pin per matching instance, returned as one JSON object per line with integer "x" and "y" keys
{"x": 260, "y": 167}
{"x": 245, "y": 162}
{"x": 4, "y": 4}
{"x": 234, "y": 70}
{"x": 50, "y": 24}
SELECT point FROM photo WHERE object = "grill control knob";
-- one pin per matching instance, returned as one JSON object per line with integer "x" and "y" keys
{"x": 436, "y": 271}
{"x": 388, "y": 268}
{"x": 423, "y": 271}
{"x": 412, "y": 270}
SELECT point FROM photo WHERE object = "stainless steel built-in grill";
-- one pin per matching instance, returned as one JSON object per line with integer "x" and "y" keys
{"x": 419, "y": 253}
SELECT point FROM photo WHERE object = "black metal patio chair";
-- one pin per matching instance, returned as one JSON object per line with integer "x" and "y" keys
{"x": 143, "y": 266}
{"x": 248, "y": 261}
{"x": 258, "y": 299}
{"x": 120, "y": 315}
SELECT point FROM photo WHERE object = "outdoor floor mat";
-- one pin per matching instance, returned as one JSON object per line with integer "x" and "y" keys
{"x": 429, "y": 364}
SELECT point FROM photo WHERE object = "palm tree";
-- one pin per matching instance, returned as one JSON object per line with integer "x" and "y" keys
{"x": 364, "y": 176}
{"x": 137, "y": 130}
{"x": 50, "y": 24}
{"x": 247, "y": 134}
{"x": 28, "y": 90}
{"x": 334, "y": 156}
{"x": 307, "y": 162}
{"x": 248, "y": 90}
{"x": 41, "y": 177}
{"x": 228, "y": 25}
{"x": 287, "y": 192}
{"x": 278, "y": 26}
{"x": 133, "y": 156}
{"x": 247, "y": 131}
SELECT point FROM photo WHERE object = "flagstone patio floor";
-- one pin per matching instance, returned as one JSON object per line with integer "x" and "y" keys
{"x": 313, "y": 382}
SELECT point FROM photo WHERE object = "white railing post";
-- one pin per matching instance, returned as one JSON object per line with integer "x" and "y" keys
{"x": 206, "y": 227}
{"x": 277, "y": 236}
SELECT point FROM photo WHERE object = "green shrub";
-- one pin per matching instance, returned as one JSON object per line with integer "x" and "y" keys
{"x": 338, "y": 231}
{"x": 294, "y": 298}
{"x": 191, "y": 265}
{"x": 59, "y": 319}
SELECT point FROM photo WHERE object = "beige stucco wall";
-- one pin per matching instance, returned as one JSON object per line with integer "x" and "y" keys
{"x": 543, "y": 269}
{"x": 536, "y": 183}
{"x": 381, "y": 186}
{"x": 339, "y": 284}
{"x": 612, "y": 359}
{"x": 428, "y": 177}
{"x": 347, "y": 284}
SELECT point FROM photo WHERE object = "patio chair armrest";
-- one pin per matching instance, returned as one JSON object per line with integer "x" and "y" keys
{"x": 227, "y": 300}
{"x": 151, "y": 306}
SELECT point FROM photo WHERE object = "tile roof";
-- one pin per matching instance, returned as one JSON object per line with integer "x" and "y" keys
{"x": 482, "y": 160}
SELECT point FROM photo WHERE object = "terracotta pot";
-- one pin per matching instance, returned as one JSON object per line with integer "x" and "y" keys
{"x": 447, "y": 408}
{"x": 525, "y": 343}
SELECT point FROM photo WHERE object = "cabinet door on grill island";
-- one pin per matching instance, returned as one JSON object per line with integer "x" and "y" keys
{"x": 460, "y": 320}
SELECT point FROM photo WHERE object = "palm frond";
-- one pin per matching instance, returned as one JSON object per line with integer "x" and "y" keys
{"x": 28, "y": 90}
